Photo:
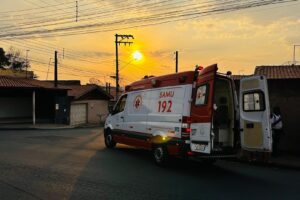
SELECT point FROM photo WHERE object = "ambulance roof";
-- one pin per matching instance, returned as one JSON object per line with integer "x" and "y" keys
{"x": 181, "y": 78}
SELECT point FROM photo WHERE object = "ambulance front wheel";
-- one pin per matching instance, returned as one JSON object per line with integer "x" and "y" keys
{"x": 160, "y": 155}
{"x": 108, "y": 139}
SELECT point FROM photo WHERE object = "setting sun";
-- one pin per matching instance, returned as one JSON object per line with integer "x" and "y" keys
{"x": 137, "y": 55}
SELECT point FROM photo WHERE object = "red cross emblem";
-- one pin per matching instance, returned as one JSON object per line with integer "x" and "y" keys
{"x": 137, "y": 102}
{"x": 199, "y": 95}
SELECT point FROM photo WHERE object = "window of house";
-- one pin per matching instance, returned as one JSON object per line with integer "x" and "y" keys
{"x": 253, "y": 101}
{"x": 201, "y": 95}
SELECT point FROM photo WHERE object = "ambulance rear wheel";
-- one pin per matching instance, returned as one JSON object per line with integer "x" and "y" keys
{"x": 160, "y": 155}
{"x": 109, "y": 140}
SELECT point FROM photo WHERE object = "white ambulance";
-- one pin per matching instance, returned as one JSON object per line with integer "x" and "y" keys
{"x": 193, "y": 114}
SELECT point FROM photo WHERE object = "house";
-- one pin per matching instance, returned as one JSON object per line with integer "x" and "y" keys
{"x": 32, "y": 101}
{"x": 284, "y": 91}
{"x": 89, "y": 104}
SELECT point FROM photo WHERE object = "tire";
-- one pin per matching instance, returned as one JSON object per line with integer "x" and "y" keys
{"x": 108, "y": 139}
{"x": 160, "y": 155}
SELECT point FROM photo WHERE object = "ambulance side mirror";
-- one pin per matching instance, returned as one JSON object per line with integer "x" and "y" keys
{"x": 110, "y": 106}
{"x": 110, "y": 109}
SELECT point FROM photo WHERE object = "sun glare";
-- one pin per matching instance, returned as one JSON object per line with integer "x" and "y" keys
{"x": 137, "y": 55}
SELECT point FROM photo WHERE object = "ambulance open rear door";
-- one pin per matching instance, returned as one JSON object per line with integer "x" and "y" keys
{"x": 255, "y": 114}
{"x": 202, "y": 111}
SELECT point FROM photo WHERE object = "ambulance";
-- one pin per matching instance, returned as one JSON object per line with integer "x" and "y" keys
{"x": 193, "y": 114}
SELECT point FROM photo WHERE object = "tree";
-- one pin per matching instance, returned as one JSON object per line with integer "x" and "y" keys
{"x": 4, "y": 61}
{"x": 16, "y": 59}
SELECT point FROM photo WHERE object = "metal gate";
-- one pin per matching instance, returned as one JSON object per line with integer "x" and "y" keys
{"x": 78, "y": 114}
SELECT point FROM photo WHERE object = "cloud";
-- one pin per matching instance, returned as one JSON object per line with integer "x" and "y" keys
{"x": 238, "y": 28}
{"x": 95, "y": 54}
{"x": 159, "y": 53}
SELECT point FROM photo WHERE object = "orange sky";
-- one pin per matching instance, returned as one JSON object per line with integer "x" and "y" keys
{"x": 238, "y": 41}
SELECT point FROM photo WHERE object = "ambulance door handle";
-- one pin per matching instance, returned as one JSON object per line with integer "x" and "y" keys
{"x": 122, "y": 117}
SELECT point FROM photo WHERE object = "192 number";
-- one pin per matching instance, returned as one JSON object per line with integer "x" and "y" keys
{"x": 165, "y": 106}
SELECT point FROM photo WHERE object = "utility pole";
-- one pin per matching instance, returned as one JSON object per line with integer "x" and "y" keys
{"x": 76, "y": 11}
{"x": 118, "y": 41}
{"x": 294, "y": 55}
{"x": 108, "y": 88}
{"x": 48, "y": 68}
{"x": 176, "y": 61}
{"x": 27, "y": 61}
{"x": 55, "y": 69}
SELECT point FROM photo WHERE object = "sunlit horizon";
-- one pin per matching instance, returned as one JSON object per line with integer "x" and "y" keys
{"x": 237, "y": 41}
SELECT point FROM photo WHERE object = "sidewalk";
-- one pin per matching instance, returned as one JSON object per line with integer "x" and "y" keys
{"x": 44, "y": 126}
{"x": 286, "y": 161}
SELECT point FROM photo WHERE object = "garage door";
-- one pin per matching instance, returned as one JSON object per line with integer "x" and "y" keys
{"x": 78, "y": 114}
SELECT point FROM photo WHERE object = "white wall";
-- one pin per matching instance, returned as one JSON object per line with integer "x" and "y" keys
{"x": 12, "y": 107}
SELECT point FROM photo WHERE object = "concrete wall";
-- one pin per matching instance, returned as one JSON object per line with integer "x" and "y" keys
{"x": 95, "y": 108}
{"x": 15, "y": 107}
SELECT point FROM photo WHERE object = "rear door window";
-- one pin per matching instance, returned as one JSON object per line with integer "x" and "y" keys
{"x": 253, "y": 101}
{"x": 201, "y": 95}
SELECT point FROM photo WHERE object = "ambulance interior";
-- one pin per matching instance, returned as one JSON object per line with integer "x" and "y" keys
{"x": 223, "y": 115}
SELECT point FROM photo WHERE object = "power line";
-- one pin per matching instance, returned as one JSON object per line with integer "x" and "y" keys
{"x": 147, "y": 20}
{"x": 48, "y": 51}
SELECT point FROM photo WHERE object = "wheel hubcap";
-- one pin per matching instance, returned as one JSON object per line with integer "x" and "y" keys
{"x": 158, "y": 153}
{"x": 108, "y": 139}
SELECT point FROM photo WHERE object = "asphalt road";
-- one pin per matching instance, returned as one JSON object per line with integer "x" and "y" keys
{"x": 74, "y": 164}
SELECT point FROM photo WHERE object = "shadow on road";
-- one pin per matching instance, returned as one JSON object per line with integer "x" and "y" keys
{"x": 129, "y": 173}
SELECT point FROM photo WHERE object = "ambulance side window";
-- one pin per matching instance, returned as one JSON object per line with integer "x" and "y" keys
{"x": 253, "y": 101}
{"x": 120, "y": 105}
{"x": 201, "y": 95}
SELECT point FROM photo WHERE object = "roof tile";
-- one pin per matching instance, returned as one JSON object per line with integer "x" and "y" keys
{"x": 78, "y": 91}
{"x": 279, "y": 71}
{"x": 13, "y": 82}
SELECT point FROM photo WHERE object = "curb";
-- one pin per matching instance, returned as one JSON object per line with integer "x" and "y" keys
{"x": 271, "y": 164}
{"x": 34, "y": 128}
{"x": 50, "y": 128}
